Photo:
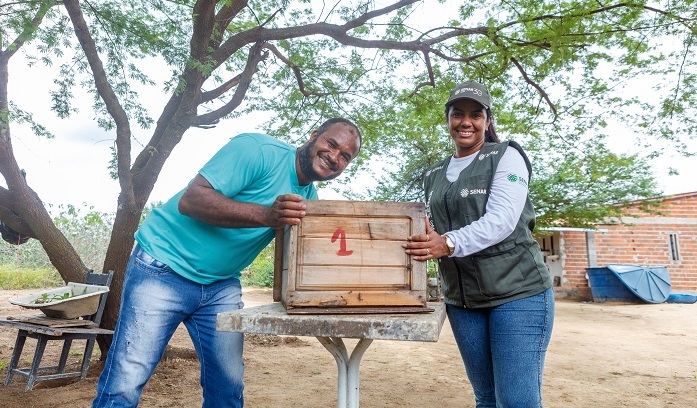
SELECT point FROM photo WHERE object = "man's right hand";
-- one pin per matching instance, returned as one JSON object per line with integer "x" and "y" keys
{"x": 288, "y": 209}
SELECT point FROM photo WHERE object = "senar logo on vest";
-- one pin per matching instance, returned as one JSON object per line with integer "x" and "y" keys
{"x": 484, "y": 156}
{"x": 465, "y": 191}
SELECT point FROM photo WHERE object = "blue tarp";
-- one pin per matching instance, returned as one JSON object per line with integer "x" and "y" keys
{"x": 650, "y": 283}
{"x": 682, "y": 298}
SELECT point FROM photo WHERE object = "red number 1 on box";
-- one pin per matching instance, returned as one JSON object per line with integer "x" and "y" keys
{"x": 342, "y": 242}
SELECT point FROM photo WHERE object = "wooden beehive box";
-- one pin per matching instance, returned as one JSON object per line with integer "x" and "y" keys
{"x": 347, "y": 257}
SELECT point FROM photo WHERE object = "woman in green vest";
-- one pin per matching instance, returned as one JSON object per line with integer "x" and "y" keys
{"x": 496, "y": 287}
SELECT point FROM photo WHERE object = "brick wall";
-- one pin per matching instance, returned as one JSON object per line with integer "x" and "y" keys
{"x": 640, "y": 241}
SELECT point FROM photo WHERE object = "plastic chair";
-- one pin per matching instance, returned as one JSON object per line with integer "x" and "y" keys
{"x": 44, "y": 334}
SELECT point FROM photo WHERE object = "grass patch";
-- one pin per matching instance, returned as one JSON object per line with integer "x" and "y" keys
{"x": 12, "y": 277}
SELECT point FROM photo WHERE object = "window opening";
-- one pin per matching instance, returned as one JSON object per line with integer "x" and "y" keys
{"x": 674, "y": 247}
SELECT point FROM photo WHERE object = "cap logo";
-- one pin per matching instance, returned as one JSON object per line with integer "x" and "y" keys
{"x": 475, "y": 91}
{"x": 470, "y": 90}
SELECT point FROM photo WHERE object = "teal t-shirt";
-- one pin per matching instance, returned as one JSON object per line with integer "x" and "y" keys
{"x": 252, "y": 167}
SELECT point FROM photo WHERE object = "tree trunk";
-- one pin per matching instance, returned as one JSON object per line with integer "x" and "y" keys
{"x": 23, "y": 202}
{"x": 120, "y": 247}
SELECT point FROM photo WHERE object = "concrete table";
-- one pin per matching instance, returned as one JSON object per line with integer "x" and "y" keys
{"x": 331, "y": 329}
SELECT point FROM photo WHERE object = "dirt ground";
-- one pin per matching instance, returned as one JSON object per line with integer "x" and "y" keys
{"x": 601, "y": 355}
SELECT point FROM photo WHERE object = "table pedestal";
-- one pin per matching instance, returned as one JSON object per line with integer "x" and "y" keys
{"x": 349, "y": 382}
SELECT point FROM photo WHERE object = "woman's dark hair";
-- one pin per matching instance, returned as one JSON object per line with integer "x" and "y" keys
{"x": 490, "y": 132}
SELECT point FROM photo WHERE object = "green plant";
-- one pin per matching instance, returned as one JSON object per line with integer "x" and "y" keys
{"x": 432, "y": 269}
{"x": 13, "y": 277}
{"x": 27, "y": 266}
{"x": 260, "y": 272}
{"x": 88, "y": 230}
{"x": 48, "y": 298}
{"x": 26, "y": 256}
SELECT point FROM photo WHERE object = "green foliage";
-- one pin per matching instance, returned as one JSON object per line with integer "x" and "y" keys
{"x": 586, "y": 185}
{"x": 30, "y": 255}
{"x": 576, "y": 181}
{"x": 46, "y": 298}
{"x": 87, "y": 230}
{"x": 19, "y": 116}
{"x": 432, "y": 269}
{"x": 12, "y": 277}
{"x": 260, "y": 272}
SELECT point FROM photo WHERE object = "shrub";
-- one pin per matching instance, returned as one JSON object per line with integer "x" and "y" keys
{"x": 29, "y": 278}
{"x": 260, "y": 272}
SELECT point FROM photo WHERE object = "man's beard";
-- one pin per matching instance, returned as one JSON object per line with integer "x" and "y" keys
{"x": 305, "y": 162}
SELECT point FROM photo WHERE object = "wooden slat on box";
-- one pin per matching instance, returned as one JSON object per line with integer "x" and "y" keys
{"x": 352, "y": 298}
{"x": 367, "y": 252}
{"x": 353, "y": 277}
{"x": 368, "y": 228}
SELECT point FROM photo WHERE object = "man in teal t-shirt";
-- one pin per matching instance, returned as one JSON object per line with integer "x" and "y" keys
{"x": 190, "y": 252}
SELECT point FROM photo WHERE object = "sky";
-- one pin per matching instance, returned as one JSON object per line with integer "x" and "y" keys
{"x": 72, "y": 168}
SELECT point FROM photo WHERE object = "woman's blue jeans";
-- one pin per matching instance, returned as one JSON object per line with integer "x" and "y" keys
{"x": 154, "y": 302}
{"x": 504, "y": 348}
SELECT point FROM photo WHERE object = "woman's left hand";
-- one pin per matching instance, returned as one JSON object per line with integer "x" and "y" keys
{"x": 430, "y": 245}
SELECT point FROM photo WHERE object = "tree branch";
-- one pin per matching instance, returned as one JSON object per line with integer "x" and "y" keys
{"x": 204, "y": 21}
{"x": 113, "y": 106}
{"x": 296, "y": 72}
{"x": 431, "y": 77}
{"x": 215, "y": 93}
{"x": 225, "y": 15}
{"x": 536, "y": 86}
{"x": 27, "y": 32}
{"x": 362, "y": 19}
{"x": 256, "y": 55}
{"x": 681, "y": 20}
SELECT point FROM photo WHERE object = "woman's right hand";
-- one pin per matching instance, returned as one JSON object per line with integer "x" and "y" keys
{"x": 430, "y": 245}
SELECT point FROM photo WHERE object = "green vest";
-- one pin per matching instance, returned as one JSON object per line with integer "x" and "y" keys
{"x": 513, "y": 268}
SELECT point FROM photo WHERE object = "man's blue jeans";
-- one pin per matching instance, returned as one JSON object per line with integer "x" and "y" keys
{"x": 504, "y": 349}
{"x": 154, "y": 302}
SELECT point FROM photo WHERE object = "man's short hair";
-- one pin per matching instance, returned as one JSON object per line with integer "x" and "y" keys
{"x": 324, "y": 126}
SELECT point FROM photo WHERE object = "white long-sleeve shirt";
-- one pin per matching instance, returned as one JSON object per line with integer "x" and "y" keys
{"x": 503, "y": 209}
